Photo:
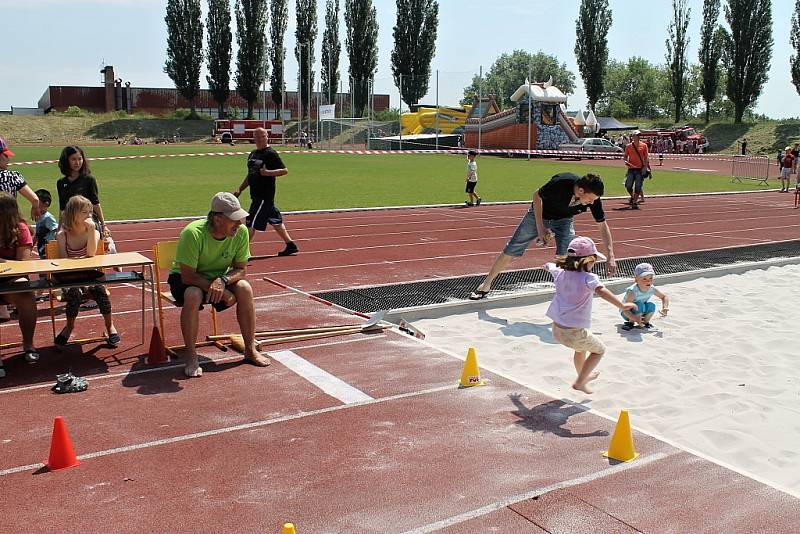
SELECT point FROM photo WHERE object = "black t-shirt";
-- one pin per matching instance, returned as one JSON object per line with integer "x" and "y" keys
{"x": 557, "y": 195}
{"x": 263, "y": 187}
{"x": 83, "y": 185}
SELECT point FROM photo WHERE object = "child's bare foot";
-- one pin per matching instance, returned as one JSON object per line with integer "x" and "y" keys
{"x": 592, "y": 376}
{"x": 193, "y": 369}
{"x": 582, "y": 387}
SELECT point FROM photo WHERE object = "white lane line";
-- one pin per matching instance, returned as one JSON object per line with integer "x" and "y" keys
{"x": 235, "y": 428}
{"x": 508, "y": 501}
{"x": 205, "y": 360}
{"x": 330, "y": 384}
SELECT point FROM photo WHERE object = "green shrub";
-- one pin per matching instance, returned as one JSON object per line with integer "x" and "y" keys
{"x": 74, "y": 111}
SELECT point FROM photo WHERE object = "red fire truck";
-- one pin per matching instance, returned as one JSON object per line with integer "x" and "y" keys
{"x": 232, "y": 130}
{"x": 685, "y": 139}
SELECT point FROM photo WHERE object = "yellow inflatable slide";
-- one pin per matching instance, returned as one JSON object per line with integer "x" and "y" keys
{"x": 423, "y": 119}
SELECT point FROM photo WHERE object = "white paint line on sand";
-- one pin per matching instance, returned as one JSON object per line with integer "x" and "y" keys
{"x": 330, "y": 384}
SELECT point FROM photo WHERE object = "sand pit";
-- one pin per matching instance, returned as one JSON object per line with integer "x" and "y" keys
{"x": 720, "y": 376}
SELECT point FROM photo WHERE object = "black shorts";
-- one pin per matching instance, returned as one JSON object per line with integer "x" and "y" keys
{"x": 177, "y": 288}
{"x": 261, "y": 214}
{"x": 470, "y": 187}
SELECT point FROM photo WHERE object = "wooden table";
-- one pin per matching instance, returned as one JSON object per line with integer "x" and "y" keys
{"x": 12, "y": 270}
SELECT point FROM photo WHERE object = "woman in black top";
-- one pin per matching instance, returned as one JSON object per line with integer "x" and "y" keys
{"x": 78, "y": 180}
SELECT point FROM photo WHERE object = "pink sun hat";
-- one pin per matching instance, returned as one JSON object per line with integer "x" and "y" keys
{"x": 4, "y": 149}
{"x": 583, "y": 246}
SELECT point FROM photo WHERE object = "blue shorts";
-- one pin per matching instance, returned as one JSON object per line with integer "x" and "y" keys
{"x": 643, "y": 308}
{"x": 526, "y": 232}
{"x": 263, "y": 213}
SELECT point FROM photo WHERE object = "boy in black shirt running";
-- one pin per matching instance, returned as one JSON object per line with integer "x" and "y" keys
{"x": 263, "y": 166}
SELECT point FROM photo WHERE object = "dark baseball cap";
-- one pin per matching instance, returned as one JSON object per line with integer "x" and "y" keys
{"x": 4, "y": 148}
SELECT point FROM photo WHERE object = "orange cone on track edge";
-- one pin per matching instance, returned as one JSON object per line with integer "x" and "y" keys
{"x": 471, "y": 375}
{"x": 157, "y": 353}
{"x": 621, "y": 447}
{"x": 62, "y": 455}
{"x": 288, "y": 528}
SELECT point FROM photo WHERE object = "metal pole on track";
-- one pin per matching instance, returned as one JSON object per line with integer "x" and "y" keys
{"x": 437, "y": 109}
{"x": 480, "y": 104}
{"x": 530, "y": 97}
{"x": 400, "y": 110}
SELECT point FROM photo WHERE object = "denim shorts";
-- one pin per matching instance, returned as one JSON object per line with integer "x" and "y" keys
{"x": 642, "y": 308}
{"x": 526, "y": 232}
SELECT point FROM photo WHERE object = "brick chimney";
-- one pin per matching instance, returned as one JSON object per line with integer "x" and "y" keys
{"x": 108, "y": 82}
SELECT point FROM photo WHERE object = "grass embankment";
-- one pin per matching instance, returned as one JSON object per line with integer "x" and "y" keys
{"x": 92, "y": 129}
{"x": 182, "y": 186}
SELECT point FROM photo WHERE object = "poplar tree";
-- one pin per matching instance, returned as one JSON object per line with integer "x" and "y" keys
{"x": 676, "y": 44}
{"x": 277, "y": 32}
{"x": 794, "y": 60}
{"x": 251, "y": 60}
{"x": 414, "y": 47}
{"x": 361, "y": 23}
{"x": 710, "y": 53}
{"x": 331, "y": 50}
{"x": 184, "y": 47}
{"x": 591, "y": 46}
{"x": 306, "y": 35}
{"x": 747, "y": 52}
{"x": 218, "y": 25}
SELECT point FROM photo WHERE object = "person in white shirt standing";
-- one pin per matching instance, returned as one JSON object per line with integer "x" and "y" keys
{"x": 472, "y": 180}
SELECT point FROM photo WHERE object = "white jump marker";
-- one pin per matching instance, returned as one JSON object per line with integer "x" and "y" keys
{"x": 325, "y": 381}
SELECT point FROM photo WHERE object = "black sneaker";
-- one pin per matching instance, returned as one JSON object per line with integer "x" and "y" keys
{"x": 647, "y": 325}
{"x": 468, "y": 203}
{"x": 290, "y": 249}
{"x": 628, "y": 325}
{"x": 478, "y": 202}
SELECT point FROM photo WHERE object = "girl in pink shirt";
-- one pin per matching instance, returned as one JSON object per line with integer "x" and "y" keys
{"x": 571, "y": 308}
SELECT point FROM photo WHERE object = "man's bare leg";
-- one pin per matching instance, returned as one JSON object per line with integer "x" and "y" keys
{"x": 281, "y": 229}
{"x": 246, "y": 316}
{"x": 585, "y": 374}
{"x": 190, "y": 318}
{"x": 500, "y": 264}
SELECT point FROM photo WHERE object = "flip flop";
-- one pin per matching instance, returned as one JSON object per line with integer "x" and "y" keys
{"x": 478, "y": 295}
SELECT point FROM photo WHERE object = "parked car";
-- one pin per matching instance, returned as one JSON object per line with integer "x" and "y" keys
{"x": 591, "y": 144}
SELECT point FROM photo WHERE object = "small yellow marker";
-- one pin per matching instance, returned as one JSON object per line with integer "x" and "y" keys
{"x": 471, "y": 375}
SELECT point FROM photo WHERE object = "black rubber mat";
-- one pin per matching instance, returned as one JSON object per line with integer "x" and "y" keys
{"x": 412, "y": 294}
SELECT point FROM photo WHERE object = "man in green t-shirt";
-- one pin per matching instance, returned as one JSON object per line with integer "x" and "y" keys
{"x": 210, "y": 267}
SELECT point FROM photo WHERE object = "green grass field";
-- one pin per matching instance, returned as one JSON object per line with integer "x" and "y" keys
{"x": 168, "y": 187}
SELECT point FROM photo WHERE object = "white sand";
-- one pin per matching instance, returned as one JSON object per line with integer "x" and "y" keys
{"x": 720, "y": 375}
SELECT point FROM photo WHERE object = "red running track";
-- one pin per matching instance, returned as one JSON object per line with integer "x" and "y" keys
{"x": 245, "y": 449}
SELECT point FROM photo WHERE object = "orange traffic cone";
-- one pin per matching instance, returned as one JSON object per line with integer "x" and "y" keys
{"x": 288, "y": 528}
{"x": 621, "y": 447}
{"x": 471, "y": 375}
{"x": 157, "y": 352}
{"x": 62, "y": 454}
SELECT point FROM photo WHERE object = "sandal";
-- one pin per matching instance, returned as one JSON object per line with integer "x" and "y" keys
{"x": 114, "y": 339}
{"x": 628, "y": 326}
{"x": 478, "y": 294}
{"x": 31, "y": 355}
{"x": 69, "y": 383}
{"x": 62, "y": 340}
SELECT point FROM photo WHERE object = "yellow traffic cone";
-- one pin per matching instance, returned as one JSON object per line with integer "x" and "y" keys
{"x": 471, "y": 375}
{"x": 288, "y": 528}
{"x": 621, "y": 447}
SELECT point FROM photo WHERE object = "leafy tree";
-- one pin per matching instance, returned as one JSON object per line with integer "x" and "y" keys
{"x": 591, "y": 46}
{"x": 361, "y": 27}
{"x": 184, "y": 47}
{"x": 676, "y": 53}
{"x": 665, "y": 102}
{"x": 251, "y": 60}
{"x": 218, "y": 23}
{"x": 277, "y": 31}
{"x": 331, "y": 50}
{"x": 711, "y": 39}
{"x": 630, "y": 89}
{"x": 794, "y": 60}
{"x": 306, "y": 35}
{"x": 747, "y": 52}
{"x": 414, "y": 47}
{"x": 509, "y": 71}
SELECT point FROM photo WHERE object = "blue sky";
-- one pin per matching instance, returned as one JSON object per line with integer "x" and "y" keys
{"x": 56, "y": 42}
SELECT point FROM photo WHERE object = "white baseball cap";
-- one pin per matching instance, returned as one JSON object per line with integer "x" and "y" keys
{"x": 228, "y": 205}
